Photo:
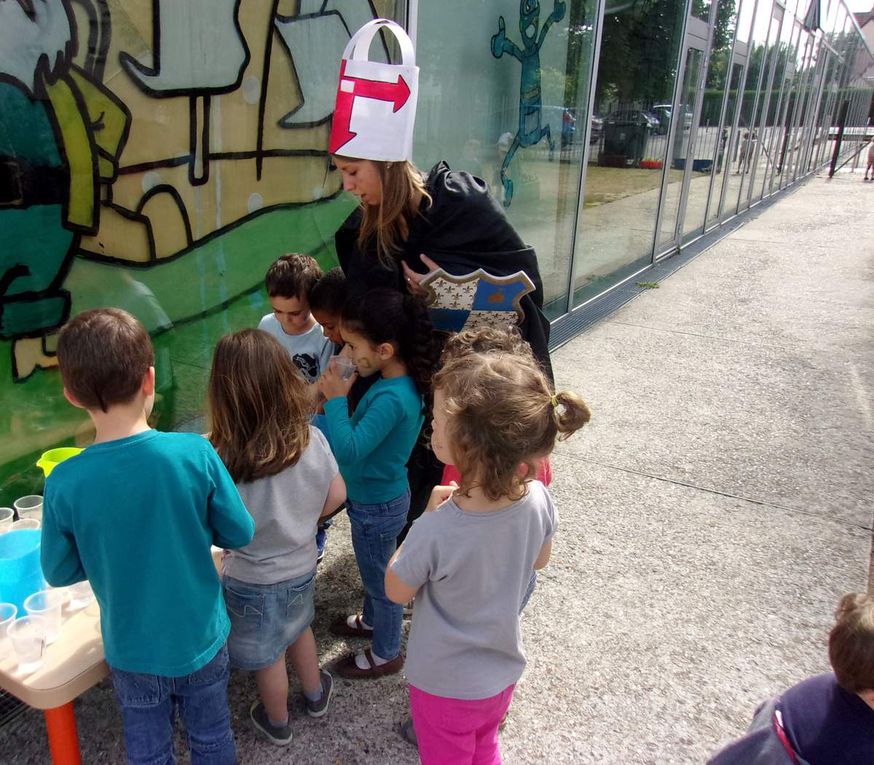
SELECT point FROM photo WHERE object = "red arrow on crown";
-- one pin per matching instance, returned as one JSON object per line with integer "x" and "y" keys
{"x": 397, "y": 92}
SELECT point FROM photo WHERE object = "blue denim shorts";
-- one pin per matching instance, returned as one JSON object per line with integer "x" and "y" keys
{"x": 266, "y": 618}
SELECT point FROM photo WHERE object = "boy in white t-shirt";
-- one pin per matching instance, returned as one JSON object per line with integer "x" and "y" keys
{"x": 288, "y": 281}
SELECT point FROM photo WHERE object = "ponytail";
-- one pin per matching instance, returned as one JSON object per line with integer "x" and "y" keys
{"x": 570, "y": 413}
{"x": 418, "y": 347}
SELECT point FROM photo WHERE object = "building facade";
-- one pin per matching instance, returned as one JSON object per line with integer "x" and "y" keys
{"x": 158, "y": 156}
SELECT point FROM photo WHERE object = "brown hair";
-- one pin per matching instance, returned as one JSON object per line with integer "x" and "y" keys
{"x": 485, "y": 340}
{"x": 259, "y": 406}
{"x": 402, "y": 191}
{"x": 104, "y": 355}
{"x": 292, "y": 276}
{"x": 851, "y": 643}
{"x": 501, "y": 413}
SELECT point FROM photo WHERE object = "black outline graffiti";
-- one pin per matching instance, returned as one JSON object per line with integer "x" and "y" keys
{"x": 130, "y": 63}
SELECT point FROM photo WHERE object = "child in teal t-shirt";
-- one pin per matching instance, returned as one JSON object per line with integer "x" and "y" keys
{"x": 136, "y": 514}
{"x": 389, "y": 335}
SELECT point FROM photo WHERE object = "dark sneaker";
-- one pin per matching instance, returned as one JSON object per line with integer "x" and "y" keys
{"x": 320, "y": 707}
{"x": 408, "y": 732}
{"x": 278, "y": 735}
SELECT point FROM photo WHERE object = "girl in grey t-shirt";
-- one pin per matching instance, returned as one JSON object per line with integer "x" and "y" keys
{"x": 260, "y": 411}
{"x": 468, "y": 561}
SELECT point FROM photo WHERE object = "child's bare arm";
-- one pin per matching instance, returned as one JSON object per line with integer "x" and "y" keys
{"x": 543, "y": 557}
{"x": 336, "y": 496}
{"x": 396, "y": 589}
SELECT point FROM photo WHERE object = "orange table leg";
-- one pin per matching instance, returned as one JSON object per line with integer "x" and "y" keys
{"x": 63, "y": 738}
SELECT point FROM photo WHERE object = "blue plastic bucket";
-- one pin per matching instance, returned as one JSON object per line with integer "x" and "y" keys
{"x": 20, "y": 570}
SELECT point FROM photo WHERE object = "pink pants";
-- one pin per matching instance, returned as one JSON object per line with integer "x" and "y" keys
{"x": 458, "y": 731}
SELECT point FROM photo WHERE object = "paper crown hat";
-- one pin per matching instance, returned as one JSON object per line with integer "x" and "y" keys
{"x": 376, "y": 102}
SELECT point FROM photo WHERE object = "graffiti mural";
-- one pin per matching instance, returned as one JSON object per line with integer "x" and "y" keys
{"x": 530, "y": 130}
{"x": 157, "y": 156}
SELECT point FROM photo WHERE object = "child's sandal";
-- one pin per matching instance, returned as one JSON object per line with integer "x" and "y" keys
{"x": 341, "y": 627}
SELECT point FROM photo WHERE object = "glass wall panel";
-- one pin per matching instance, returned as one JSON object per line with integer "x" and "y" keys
{"x": 774, "y": 128}
{"x": 754, "y": 23}
{"x": 797, "y": 98}
{"x": 714, "y": 123}
{"x": 728, "y": 194}
{"x": 680, "y": 150}
{"x": 636, "y": 73}
{"x": 504, "y": 94}
{"x": 192, "y": 177}
{"x": 782, "y": 137}
{"x": 765, "y": 57}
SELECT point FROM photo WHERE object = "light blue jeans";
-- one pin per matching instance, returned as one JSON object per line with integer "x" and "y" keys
{"x": 374, "y": 538}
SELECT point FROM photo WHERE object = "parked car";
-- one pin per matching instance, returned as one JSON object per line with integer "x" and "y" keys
{"x": 633, "y": 117}
{"x": 663, "y": 113}
{"x": 567, "y": 118}
{"x": 597, "y": 129}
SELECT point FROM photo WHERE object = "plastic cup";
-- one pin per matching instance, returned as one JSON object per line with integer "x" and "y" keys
{"x": 29, "y": 507}
{"x": 6, "y": 517}
{"x": 31, "y": 524}
{"x": 28, "y": 636}
{"x": 80, "y": 594}
{"x": 8, "y": 612}
{"x": 344, "y": 365}
{"x": 47, "y": 604}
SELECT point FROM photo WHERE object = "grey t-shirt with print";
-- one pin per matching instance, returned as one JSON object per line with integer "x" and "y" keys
{"x": 310, "y": 351}
{"x": 286, "y": 509}
{"x": 473, "y": 570}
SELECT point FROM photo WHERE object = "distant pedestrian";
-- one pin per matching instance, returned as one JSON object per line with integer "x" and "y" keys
{"x": 824, "y": 720}
{"x": 869, "y": 170}
{"x": 745, "y": 156}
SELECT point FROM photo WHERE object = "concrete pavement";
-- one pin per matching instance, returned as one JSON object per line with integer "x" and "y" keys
{"x": 711, "y": 515}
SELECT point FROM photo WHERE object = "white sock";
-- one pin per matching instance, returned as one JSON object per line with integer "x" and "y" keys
{"x": 352, "y": 622}
{"x": 361, "y": 660}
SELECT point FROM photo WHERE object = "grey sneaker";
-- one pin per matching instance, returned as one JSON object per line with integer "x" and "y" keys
{"x": 278, "y": 735}
{"x": 320, "y": 707}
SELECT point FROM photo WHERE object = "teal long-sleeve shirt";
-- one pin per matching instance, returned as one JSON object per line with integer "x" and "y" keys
{"x": 373, "y": 445}
{"x": 136, "y": 517}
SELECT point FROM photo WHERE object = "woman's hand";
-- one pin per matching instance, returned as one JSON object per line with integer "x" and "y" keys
{"x": 332, "y": 385}
{"x": 439, "y": 495}
{"x": 414, "y": 278}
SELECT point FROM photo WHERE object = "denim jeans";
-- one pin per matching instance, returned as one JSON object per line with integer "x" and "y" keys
{"x": 322, "y": 534}
{"x": 148, "y": 707}
{"x": 267, "y": 618}
{"x": 374, "y": 538}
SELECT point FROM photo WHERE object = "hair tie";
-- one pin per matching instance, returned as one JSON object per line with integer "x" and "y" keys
{"x": 553, "y": 399}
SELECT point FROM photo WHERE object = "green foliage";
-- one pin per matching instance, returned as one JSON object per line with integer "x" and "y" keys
{"x": 639, "y": 45}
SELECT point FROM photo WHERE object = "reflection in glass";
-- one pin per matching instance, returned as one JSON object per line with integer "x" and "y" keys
{"x": 681, "y": 148}
{"x": 780, "y": 132}
{"x": 757, "y": 158}
{"x": 636, "y": 72}
{"x": 729, "y": 143}
{"x": 711, "y": 141}
{"x": 504, "y": 95}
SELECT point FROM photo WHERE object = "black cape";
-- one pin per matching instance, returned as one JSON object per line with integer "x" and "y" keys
{"x": 464, "y": 228}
